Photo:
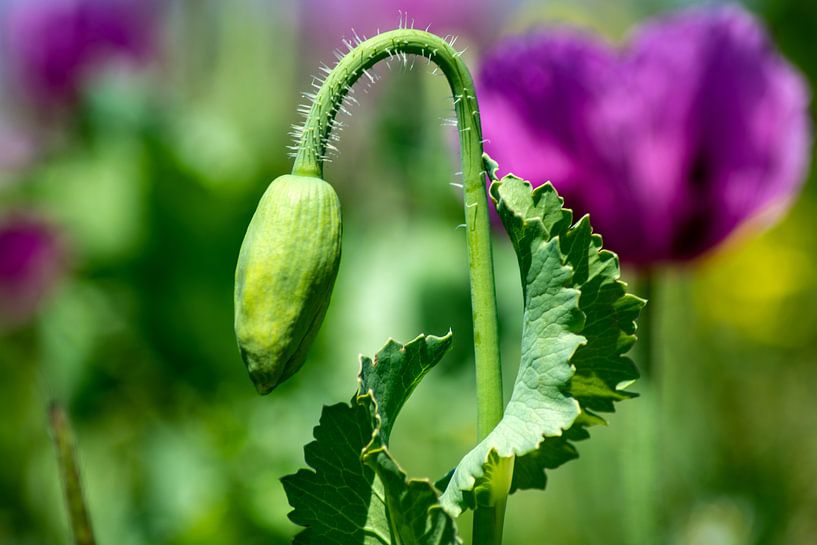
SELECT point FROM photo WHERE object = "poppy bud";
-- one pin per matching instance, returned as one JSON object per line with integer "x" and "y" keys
{"x": 286, "y": 270}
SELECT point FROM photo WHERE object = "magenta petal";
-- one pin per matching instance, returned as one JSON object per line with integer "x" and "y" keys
{"x": 31, "y": 260}
{"x": 670, "y": 144}
{"x": 744, "y": 136}
{"x": 567, "y": 74}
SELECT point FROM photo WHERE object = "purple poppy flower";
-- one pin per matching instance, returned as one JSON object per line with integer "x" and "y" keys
{"x": 31, "y": 260}
{"x": 53, "y": 45}
{"x": 670, "y": 143}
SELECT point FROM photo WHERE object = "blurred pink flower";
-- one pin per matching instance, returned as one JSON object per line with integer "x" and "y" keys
{"x": 17, "y": 150}
{"x": 31, "y": 261}
{"x": 326, "y": 22}
{"x": 53, "y": 45}
{"x": 670, "y": 144}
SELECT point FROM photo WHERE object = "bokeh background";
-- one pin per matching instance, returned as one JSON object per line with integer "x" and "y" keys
{"x": 135, "y": 141}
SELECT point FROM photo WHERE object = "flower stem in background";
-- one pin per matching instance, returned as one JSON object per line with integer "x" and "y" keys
{"x": 640, "y": 469}
{"x": 645, "y": 358}
{"x": 69, "y": 471}
{"x": 314, "y": 139}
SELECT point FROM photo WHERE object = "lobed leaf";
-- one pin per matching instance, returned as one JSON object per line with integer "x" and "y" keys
{"x": 578, "y": 323}
{"x": 339, "y": 500}
{"x": 355, "y": 492}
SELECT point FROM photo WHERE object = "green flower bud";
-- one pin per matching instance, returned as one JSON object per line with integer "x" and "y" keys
{"x": 284, "y": 277}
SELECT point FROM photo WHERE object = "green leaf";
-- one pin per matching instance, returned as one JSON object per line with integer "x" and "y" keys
{"x": 355, "y": 493}
{"x": 578, "y": 322}
{"x": 395, "y": 372}
{"x": 337, "y": 500}
{"x": 412, "y": 505}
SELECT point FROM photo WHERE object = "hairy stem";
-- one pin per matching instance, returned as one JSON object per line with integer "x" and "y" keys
{"x": 313, "y": 144}
{"x": 69, "y": 470}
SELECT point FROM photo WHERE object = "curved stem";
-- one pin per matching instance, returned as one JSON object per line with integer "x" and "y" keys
{"x": 309, "y": 162}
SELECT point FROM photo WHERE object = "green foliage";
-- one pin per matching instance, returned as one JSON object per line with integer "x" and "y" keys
{"x": 355, "y": 493}
{"x": 578, "y": 322}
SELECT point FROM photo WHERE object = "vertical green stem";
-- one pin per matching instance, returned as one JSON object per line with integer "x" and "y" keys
{"x": 489, "y": 522}
{"x": 69, "y": 471}
{"x": 644, "y": 346}
{"x": 641, "y": 471}
{"x": 314, "y": 141}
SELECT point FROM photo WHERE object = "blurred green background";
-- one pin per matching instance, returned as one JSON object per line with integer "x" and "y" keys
{"x": 151, "y": 175}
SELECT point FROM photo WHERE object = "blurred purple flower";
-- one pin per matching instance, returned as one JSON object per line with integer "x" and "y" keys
{"x": 17, "y": 150}
{"x": 328, "y": 21}
{"x": 669, "y": 144}
{"x": 53, "y": 45}
{"x": 31, "y": 261}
